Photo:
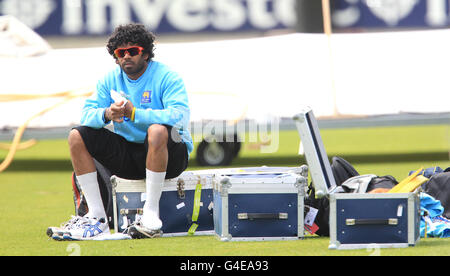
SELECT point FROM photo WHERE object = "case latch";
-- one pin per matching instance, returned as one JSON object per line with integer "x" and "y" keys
{"x": 180, "y": 188}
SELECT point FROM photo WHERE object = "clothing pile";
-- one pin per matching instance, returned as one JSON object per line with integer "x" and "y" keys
{"x": 435, "y": 203}
{"x": 432, "y": 223}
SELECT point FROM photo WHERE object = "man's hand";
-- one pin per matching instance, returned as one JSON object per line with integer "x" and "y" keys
{"x": 116, "y": 111}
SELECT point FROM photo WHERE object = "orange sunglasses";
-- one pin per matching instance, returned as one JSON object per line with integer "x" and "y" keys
{"x": 132, "y": 51}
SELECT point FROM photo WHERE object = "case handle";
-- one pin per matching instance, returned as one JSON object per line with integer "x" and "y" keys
{"x": 252, "y": 216}
{"x": 389, "y": 221}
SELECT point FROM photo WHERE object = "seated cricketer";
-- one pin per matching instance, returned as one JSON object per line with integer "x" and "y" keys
{"x": 151, "y": 139}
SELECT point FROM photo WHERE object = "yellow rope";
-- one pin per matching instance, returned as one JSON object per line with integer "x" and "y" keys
{"x": 15, "y": 145}
{"x": 24, "y": 145}
{"x": 24, "y": 97}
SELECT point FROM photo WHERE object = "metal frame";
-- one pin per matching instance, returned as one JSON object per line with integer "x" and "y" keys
{"x": 316, "y": 156}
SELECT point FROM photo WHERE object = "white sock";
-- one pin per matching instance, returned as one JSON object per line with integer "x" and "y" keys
{"x": 91, "y": 190}
{"x": 154, "y": 182}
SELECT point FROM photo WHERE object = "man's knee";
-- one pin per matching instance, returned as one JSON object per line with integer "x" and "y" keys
{"x": 158, "y": 135}
{"x": 75, "y": 140}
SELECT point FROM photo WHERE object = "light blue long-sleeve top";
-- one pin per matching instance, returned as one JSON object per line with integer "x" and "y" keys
{"x": 159, "y": 96}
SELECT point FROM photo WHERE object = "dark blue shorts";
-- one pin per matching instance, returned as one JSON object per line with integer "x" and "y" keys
{"x": 127, "y": 159}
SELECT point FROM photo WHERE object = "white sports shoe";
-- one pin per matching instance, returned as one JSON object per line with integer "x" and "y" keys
{"x": 138, "y": 231}
{"x": 57, "y": 232}
{"x": 87, "y": 229}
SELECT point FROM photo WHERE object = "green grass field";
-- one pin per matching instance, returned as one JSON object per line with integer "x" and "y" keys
{"x": 36, "y": 193}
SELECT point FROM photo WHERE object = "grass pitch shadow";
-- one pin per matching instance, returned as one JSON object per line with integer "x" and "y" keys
{"x": 34, "y": 165}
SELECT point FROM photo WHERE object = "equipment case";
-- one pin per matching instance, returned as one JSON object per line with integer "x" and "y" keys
{"x": 358, "y": 220}
{"x": 385, "y": 219}
{"x": 185, "y": 205}
{"x": 260, "y": 205}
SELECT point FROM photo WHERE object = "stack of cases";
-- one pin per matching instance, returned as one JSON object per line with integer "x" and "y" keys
{"x": 267, "y": 203}
{"x": 186, "y": 205}
{"x": 258, "y": 204}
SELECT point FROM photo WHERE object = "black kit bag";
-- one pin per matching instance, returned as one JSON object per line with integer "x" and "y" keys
{"x": 342, "y": 171}
{"x": 439, "y": 187}
{"x": 103, "y": 178}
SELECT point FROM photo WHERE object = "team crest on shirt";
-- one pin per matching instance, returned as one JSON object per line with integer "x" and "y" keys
{"x": 146, "y": 97}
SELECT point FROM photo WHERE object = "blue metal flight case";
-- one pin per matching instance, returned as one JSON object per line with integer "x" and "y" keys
{"x": 260, "y": 204}
{"x": 383, "y": 220}
{"x": 186, "y": 204}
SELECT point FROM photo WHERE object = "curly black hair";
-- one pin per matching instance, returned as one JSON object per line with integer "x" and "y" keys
{"x": 132, "y": 33}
